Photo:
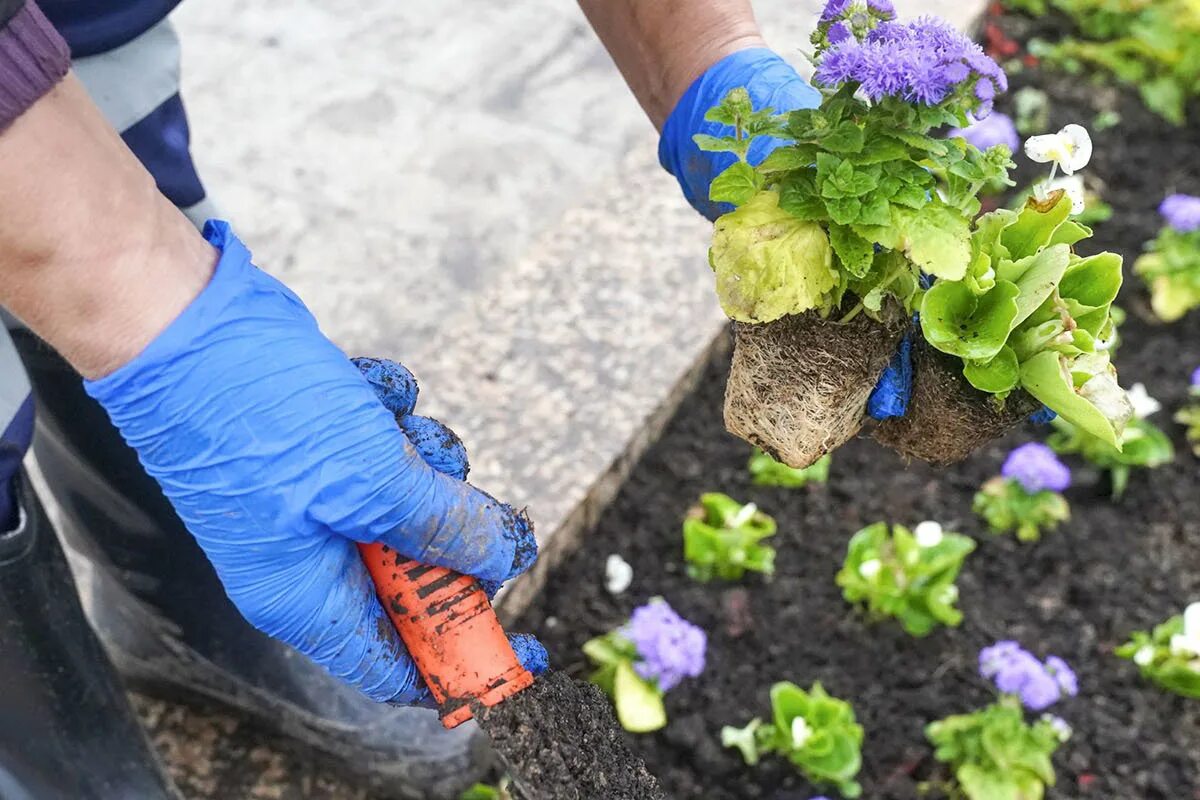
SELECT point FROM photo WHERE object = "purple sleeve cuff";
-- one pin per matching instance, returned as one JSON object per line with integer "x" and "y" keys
{"x": 33, "y": 58}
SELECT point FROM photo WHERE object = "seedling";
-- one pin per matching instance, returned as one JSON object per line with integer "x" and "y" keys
{"x": 642, "y": 660}
{"x": 1189, "y": 415}
{"x": 908, "y": 576}
{"x": 994, "y": 752}
{"x": 817, "y": 733}
{"x": 1171, "y": 265}
{"x": 1169, "y": 655}
{"x": 723, "y": 539}
{"x": 766, "y": 471}
{"x": 1027, "y": 495}
{"x": 483, "y": 791}
{"x": 1142, "y": 445}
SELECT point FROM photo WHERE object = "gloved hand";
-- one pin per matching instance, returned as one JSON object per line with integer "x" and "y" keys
{"x": 278, "y": 457}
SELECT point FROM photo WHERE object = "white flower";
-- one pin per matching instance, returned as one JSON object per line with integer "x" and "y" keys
{"x": 1073, "y": 186}
{"x": 1188, "y": 642}
{"x": 743, "y": 515}
{"x": 1144, "y": 655}
{"x": 870, "y": 568}
{"x": 1143, "y": 404}
{"x": 618, "y": 574}
{"x": 1191, "y": 619}
{"x": 800, "y": 732}
{"x": 928, "y": 533}
{"x": 1070, "y": 149}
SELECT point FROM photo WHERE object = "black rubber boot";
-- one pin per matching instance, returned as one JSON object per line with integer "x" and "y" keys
{"x": 66, "y": 727}
{"x": 171, "y": 630}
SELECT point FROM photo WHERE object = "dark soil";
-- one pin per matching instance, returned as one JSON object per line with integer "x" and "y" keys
{"x": 948, "y": 419}
{"x": 1113, "y": 568}
{"x": 560, "y": 741}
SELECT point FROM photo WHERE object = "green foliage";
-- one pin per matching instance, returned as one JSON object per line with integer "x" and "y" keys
{"x": 1174, "y": 668}
{"x": 482, "y": 791}
{"x": 1188, "y": 416}
{"x": 1153, "y": 45}
{"x": 817, "y": 733}
{"x": 995, "y": 754}
{"x": 1006, "y": 506}
{"x": 639, "y": 702}
{"x": 723, "y": 539}
{"x": 1031, "y": 314}
{"x": 766, "y": 471}
{"x": 1142, "y": 445}
{"x": 1171, "y": 269}
{"x": 854, "y": 179}
{"x": 906, "y": 576}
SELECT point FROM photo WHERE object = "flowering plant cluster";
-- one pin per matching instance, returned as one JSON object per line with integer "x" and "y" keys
{"x": 1142, "y": 445}
{"x": 817, "y": 733}
{"x": 994, "y": 752}
{"x": 906, "y": 575}
{"x": 1169, "y": 655}
{"x": 767, "y": 471}
{"x": 1189, "y": 415}
{"x": 1027, "y": 495}
{"x": 1171, "y": 265}
{"x": 852, "y": 204}
{"x": 1153, "y": 45}
{"x": 723, "y": 539}
{"x": 641, "y": 661}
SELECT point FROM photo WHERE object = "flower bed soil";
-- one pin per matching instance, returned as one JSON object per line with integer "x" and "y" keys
{"x": 1113, "y": 568}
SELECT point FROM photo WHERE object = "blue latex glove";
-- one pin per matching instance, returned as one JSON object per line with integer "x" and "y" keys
{"x": 278, "y": 457}
{"x": 771, "y": 82}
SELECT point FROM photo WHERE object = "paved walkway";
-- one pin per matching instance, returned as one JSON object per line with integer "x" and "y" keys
{"x": 469, "y": 188}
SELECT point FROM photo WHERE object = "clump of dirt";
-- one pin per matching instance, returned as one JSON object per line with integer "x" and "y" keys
{"x": 948, "y": 419}
{"x": 798, "y": 386}
{"x": 560, "y": 740}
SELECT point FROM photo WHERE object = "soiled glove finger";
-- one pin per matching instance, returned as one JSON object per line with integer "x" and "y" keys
{"x": 771, "y": 82}
{"x": 276, "y": 454}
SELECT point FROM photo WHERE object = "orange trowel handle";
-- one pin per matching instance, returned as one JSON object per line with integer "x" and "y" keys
{"x": 451, "y": 631}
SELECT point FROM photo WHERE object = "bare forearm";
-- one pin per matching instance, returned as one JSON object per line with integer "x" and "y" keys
{"x": 661, "y": 46}
{"x": 92, "y": 257}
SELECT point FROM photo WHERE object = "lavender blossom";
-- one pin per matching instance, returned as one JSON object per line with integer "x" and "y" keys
{"x": 883, "y": 7}
{"x": 995, "y": 129}
{"x": 1196, "y": 379}
{"x": 1182, "y": 212}
{"x": 669, "y": 647}
{"x": 924, "y": 61}
{"x": 1015, "y": 670}
{"x": 835, "y": 9}
{"x": 838, "y": 32}
{"x": 1036, "y": 468}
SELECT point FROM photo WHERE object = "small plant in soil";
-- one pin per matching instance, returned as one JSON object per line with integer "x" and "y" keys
{"x": 723, "y": 539}
{"x": 483, "y": 791}
{"x": 1153, "y": 45}
{"x": 1171, "y": 265}
{"x": 1026, "y": 498}
{"x": 817, "y": 733}
{"x": 1169, "y": 655}
{"x": 642, "y": 660}
{"x": 1189, "y": 415}
{"x": 820, "y": 263}
{"x": 767, "y": 471}
{"x": 1142, "y": 444}
{"x": 908, "y": 576}
{"x": 994, "y": 753}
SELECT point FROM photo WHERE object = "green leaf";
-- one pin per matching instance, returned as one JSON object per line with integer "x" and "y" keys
{"x": 875, "y": 211}
{"x": 1036, "y": 277}
{"x": 1000, "y": 375}
{"x": 639, "y": 703}
{"x": 938, "y": 240}
{"x": 844, "y": 210}
{"x": 855, "y": 253}
{"x": 847, "y": 137}
{"x": 736, "y": 185}
{"x": 1166, "y": 97}
{"x": 733, "y": 108}
{"x": 768, "y": 263}
{"x": 1035, "y": 225}
{"x": 956, "y": 321}
{"x": 1046, "y": 378}
{"x": 721, "y": 144}
{"x": 1093, "y": 282}
{"x": 786, "y": 159}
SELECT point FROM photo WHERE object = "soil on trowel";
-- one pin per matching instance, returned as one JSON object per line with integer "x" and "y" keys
{"x": 560, "y": 741}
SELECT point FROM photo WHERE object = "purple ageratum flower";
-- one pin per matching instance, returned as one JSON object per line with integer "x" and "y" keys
{"x": 670, "y": 648}
{"x": 1015, "y": 670}
{"x": 882, "y": 7}
{"x": 1036, "y": 468}
{"x": 1064, "y": 676}
{"x": 835, "y": 9}
{"x": 838, "y": 32}
{"x": 1196, "y": 378}
{"x": 1182, "y": 212}
{"x": 995, "y": 129}
{"x": 995, "y": 658}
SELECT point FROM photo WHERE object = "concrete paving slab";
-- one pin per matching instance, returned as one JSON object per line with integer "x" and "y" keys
{"x": 468, "y": 188}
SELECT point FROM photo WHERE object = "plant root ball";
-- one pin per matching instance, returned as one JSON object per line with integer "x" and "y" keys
{"x": 798, "y": 386}
{"x": 948, "y": 419}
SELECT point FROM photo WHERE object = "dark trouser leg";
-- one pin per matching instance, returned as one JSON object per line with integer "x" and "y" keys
{"x": 66, "y": 728}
